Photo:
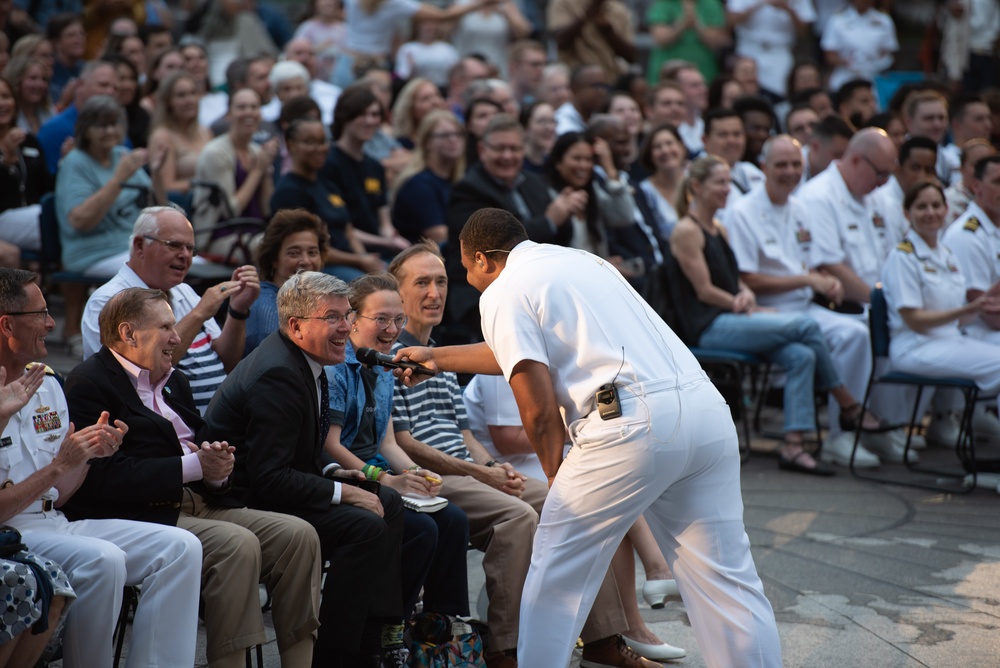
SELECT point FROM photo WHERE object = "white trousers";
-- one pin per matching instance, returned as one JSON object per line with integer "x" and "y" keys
{"x": 20, "y": 227}
{"x": 959, "y": 356}
{"x": 674, "y": 456}
{"x": 101, "y": 557}
{"x": 851, "y": 352}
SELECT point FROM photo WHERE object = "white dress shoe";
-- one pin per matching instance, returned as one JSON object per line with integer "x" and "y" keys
{"x": 658, "y": 592}
{"x": 661, "y": 652}
{"x": 985, "y": 425}
{"x": 837, "y": 450}
{"x": 890, "y": 446}
{"x": 943, "y": 431}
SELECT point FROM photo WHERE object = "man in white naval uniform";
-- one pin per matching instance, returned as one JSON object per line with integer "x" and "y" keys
{"x": 583, "y": 351}
{"x": 726, "y": 137}
{"x": 917, "y": 162}
{"x": 767, "y": 31}
{"x": 851, "y": 241}
{"x": 974, "y": 238}
{"x": 772, "y": 245}
{"x": 43, "y": 461}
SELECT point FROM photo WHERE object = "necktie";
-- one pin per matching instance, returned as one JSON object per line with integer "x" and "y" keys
{"x": 324, "y": 408}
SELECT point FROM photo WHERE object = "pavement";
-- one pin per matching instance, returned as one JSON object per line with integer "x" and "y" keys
{"x": 859, "y": 573}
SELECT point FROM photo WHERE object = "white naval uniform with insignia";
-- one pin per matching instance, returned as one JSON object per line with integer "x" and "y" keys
{"x": 975, "y": 241}
{"x": 775, "y": 240}
{"x": 102, "y": 556}
{"x": 918, "y": 276}
{"x": 887, "y": 202}
{"x": 768, "y": 36}
{"x": 867, "y": 41}
{"x": 845, "y": 230}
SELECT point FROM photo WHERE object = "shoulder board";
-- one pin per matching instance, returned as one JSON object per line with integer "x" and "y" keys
{"x": 972, "y": 224}
{"x": 49, "y": 371}
{"x": 905, "y": 246}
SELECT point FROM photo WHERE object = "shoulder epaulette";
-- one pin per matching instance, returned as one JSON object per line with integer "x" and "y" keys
{"x": 972, "y": 224}
{"x": 905, "y": 246}
{"x": 49, "y": 371}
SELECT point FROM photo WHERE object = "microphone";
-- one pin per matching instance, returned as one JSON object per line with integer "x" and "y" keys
{"x": 375, "y": 358}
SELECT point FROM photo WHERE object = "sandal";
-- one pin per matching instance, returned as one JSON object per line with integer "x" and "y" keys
{"x": 792, "y": 464}
{"x": 851, "y": 423}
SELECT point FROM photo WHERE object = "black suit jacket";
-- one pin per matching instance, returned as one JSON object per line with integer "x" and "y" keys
{"x": 478, "y": 190}
{"x": 268, "y": 409}
{"x": 143, "y": 480}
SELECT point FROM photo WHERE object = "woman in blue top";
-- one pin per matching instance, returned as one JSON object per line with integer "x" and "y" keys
{"x": 434, "y": 544}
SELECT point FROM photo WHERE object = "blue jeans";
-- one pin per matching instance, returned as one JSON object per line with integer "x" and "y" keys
{"x": 793, "y": 341}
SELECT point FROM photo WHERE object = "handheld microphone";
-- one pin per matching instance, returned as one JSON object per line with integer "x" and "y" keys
{"x": 375, "y": 358}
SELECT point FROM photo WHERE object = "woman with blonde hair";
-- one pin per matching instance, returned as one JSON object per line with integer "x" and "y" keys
{"x": 418, "y": 98}
{"x": 177, "y": 131}
{"x": 424, "y": 186}
{"x": 30, "y": 79}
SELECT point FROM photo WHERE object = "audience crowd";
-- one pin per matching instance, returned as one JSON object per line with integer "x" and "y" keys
{"x": 755, "y": 170}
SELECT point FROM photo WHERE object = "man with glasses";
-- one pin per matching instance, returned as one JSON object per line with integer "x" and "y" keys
{"x": 162, "y": 248}
{"x": 274, "y": 409}
{"x": 43, "y": 460}
{"x": 849, "y": 235}
{"x": 526, "y": 60}
{"x": 498, "y": 181}
{"x": 169, "y": 472}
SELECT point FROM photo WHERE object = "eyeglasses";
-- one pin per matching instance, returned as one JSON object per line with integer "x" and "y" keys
{"x": 334, "y": 318}
{"x": 504, "y": 148}
{"x": 447, "y": 135}
{"x": 174, "y": 246}
{"x": 879, "y": 174}
{"x": 44, "y": 313}
{"x": 383, "y": 322}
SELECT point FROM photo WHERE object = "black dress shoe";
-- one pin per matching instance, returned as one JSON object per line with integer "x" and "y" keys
{"x": 793, "y": 464}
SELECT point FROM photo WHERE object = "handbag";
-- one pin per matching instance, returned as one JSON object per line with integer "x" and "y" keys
{"x": 443, "y": 641}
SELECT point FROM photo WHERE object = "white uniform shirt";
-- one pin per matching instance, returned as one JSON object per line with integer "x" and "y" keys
{"x": 692, "y": 135}
{"x": 918, "y": 276}
{"x": 568, "y": 119}
{"x": 867, "y": 41}
{"x": 887, "y": 202}
{"x": 975, "y": 241}
{"x": 574, "y": 312}
{"x": 844, "y": 229}
{"x": 772, "y": 239}
{"x": 958, "y": 198}
{"x": 768, "y": 36}
{"x": 33, "y": 437}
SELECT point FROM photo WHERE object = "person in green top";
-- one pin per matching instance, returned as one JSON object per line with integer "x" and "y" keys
{"x": 691, "y": 30}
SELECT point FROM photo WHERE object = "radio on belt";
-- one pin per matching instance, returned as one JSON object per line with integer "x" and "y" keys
{"x": 608, "y": 406}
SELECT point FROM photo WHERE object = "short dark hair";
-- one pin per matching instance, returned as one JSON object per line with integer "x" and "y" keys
{"x": 962, "y": 101}
{"x": 422, "y": 247}
{"x": 297, "y": 110}
{"x": 847, "y": 91}
{"x": 363, "y": 287}
{"x": 13, "y": 297}
{"x": 491, "y": 230}
{"x": 719, "y": 114}
{"x": 351, "y": 104}
{"x": 147, "y": 30}
{"x": 914, "y": 192}
{"x": 915, "y": 144}
{"x": 748, "y": 103}
{"x": 129, "y": 305}
{"x": 502, "y": 123}
{"x": 832, "y": 126}
{"x": 983, "y": 163}
{"x": 806, "y": 94}
{"x": 527, "y": 110}
{"x": 646, "y": 150}
{"x": 59, "y": 22}
{"x": 283, "y": 224}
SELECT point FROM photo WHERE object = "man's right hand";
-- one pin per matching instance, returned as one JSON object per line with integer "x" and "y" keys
{"x": 355, "y": 496}
{"x": 216, "y": 459}
{"x": 504, "y": 478}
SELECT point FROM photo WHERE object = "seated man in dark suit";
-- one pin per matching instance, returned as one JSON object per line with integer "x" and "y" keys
{"x": 268, "y": 408}
{"x": 160, "y": 475}
{"x": 498, "y": 181}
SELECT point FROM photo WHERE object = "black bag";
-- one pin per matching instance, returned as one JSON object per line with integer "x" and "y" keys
{"x": 10, "y": 541}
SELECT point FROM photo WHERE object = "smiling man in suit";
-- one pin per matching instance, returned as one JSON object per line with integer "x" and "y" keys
{"x": 268, "y": 408}
{"x": 161, "y": 475}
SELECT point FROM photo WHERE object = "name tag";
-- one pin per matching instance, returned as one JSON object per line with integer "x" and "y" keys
{"x": 30, "y": 152}
{"x": 6, "y": 442}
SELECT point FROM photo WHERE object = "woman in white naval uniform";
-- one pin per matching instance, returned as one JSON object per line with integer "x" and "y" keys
{"x": 925, "y": 294}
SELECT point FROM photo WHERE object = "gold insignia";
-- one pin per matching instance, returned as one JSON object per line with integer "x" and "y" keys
{"x": 972, "y": 224}
{"x": 905, "y": 246}
{"x": 373, "y": 186}
{"x": 52, "y": 437}
{"x": 49, "y": 371}
{"x": 43, "y": 409}
{"x": 336, "y": 200}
